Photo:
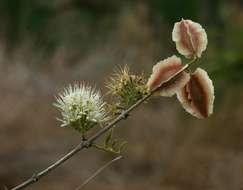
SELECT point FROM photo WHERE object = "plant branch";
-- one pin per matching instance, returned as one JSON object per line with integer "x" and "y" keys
{"x": 88, "y": 143}
{"x": 98, "y": 172}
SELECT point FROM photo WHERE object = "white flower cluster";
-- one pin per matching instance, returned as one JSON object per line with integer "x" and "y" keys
{"x": 81, "y": 107}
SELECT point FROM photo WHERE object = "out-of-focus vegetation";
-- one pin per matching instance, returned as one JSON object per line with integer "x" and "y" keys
{"x": 44, "y": 45}
{"x": 79, "y": 24}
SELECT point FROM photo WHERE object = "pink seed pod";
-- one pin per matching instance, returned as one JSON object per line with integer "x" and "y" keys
{"x": 190, "y": 38}
{"x": 197, "y": 97}
{"x": 162, "y": 71}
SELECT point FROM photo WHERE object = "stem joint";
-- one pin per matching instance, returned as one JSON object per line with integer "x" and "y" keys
{"x": 34, "y": 178}
{"x": 87, "y": 144}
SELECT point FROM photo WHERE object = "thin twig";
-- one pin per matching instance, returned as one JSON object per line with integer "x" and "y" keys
{"x": 98, "y": 172}
{"x": 88, "y": 143}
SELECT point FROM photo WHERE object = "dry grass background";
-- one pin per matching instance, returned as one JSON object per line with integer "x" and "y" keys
{"x": 168, "y": 149}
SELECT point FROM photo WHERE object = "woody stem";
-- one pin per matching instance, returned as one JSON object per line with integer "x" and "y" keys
{"x": 89, "y": 142}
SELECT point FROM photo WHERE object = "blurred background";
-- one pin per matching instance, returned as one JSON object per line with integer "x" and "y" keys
{"x": 47, "y": 44}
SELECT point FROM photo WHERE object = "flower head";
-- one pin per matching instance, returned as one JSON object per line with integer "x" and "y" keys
{"x": 81, "y": 107}
{"x": 190, "y": 38}
{"x": 197, "y": 97}
{"x": 127, "y": 88}
{"x": 162, "y": 71}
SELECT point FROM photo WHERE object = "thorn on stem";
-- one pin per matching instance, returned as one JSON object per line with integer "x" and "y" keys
{"x": 125, "y": 115}
{"x": 84, "y": 137}
{"x": 87, "y": 144}
{"x": 34, "y": 178}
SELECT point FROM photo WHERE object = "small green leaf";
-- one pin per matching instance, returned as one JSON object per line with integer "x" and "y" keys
{"x": 108, "y": 137}
{"x": 122, "y": 145}
{"x": 114, "y": 144}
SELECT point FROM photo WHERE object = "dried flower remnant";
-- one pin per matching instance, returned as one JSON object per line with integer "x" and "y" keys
{"x": 197, "y": 97}
{"x": 162, "y": 71}
{"x": 190, "y": 38}
{"x": 126, "y": 88}
{"x": 81, "y": 107}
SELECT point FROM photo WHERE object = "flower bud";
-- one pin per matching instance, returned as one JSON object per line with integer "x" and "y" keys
{"x": 190, "y": 38}
{"x": 162, "y": 71}
{"x": 126, "y": 88}
{"x": 197, "y": 97}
